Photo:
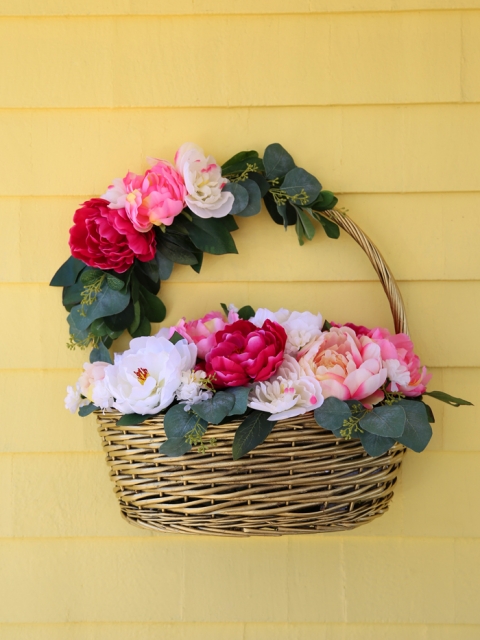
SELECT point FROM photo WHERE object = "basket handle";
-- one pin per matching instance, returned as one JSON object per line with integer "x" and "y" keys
{"x": 383, "y": 272}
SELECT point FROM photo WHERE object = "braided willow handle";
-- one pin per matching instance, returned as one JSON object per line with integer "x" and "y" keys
{"x": 383, "y": 272}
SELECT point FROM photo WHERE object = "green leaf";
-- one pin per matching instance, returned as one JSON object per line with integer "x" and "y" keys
{"x": 144, "y": 328}
{"x": 246, "y": 312}
{"x": 445, "y": 397}
{"x": 299, "y": 231}
{"x": 332, "y": 230}
{"x": 417, "y": 431}
{"x": 254, "y": 199}
{"x": 211, "y": 236}
{"x": 299, "y": 182}
{"x": 173, "y": 249}
{"x": 72, "y": 295}
{"x": 137, "y": 315}
{"x": 326, "y": 325}
{"x": 114, "y": 283}
{"x": 238, "y": 162}
{"x": 385, "y": 421}
{"x": 132, "y": 419}
{"x": 225, "y": 308}
{"x": 215, "y": 409}
{"x": 431, "y": 417}
{"x": 68, "y": 273}
{"x": 229, "y": 223}
{"x": 90, "y": 275}
{"x": 271, "y": 207}
{"x": 261, "y": 181}
{"x": 175, "y": 447}
{"x": 332, "y": 414}
{"x": 153, "y": 307}
{"x": 277, "y": 161}
{"x": 198, "y": 266}
{"x": 107, "y": 303}
{"x": 165, "y": 266}
{"x": 240, "y": 195}
{"x": 326, "y": 200}
{"x": 178, "y": 422}
{"x": 87, "y": 410}
{"x": 120, "y": 321}
{"x": 100, "y": 354}
{"x": 78, "y": 334}
{"x": 149, "y": 269}
{"x": 252, "y": 432}
{"x": 143, "y": 279}
{"x": 176, "y": 337}
{"x": 375, "y": 445}
{"x": 99, "y": 327}
{"x": 241, "y": 397}
{"x": 307, "y": 224}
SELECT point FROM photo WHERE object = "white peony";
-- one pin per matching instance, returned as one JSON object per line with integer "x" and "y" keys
{"x": 193, "y": 388}
{"x": 302, "y": 328}
{"x": 145, "y": 378}
{"x": 288, "y": 394}
{"x": 204, "y": 182}
{"x": 74, "y": 400}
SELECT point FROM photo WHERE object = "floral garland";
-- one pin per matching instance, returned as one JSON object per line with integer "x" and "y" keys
{"x": 265, "y": 366}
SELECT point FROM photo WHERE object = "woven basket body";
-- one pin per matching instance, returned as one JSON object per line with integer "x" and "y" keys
{"x": 302, "y": 479}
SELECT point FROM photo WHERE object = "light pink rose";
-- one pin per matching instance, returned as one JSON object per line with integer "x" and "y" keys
{"x": 202, "y": 332}
{"x": 405, "y": 372}
{"x": 154, "y": 198}
{"x": 348, "y": 367}
{"x": 92, "y": 373}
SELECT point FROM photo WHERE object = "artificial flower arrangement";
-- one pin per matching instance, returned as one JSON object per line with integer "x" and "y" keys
{"x": 259, "y": 366}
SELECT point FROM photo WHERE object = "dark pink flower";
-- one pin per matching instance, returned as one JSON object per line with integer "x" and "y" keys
{"x": 244, "y": 353}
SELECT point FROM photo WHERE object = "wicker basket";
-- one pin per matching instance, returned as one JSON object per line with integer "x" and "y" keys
{"x": 302, "y": 479}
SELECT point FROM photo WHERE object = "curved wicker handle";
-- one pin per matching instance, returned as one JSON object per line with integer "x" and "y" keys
{"x": 383, "y": 272}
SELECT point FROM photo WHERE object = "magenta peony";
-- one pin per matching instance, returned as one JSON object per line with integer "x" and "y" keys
{"x": 105, "y": 238}
{"x": 244, "y": 353}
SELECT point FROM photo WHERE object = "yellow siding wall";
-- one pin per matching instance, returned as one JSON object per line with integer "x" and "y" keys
{"x": 380, "y": 100}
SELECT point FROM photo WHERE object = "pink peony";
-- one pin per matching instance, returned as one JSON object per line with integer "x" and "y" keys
{"x": 359, "y": 329}
{"x": 105, "y": 238}
{"x": 202, "y": 332}
{"x": 347, "y": 366}
{"x": 92, "y": 373}
{"x": 405, "y": 372}
{"x": 154, "y": 198}
{"x": 244, "y": 353}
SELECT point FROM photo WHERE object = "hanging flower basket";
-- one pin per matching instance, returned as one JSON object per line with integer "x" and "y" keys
{"x": 242, "y": 423}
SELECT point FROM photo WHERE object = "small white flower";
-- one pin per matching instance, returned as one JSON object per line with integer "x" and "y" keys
{"x": 101, "y": 396}
{"x": 302, "y": 328}
{"x": 193, "y": 388}
{"x": 204, "y": 182}
{"x": 74, "y": 400}
{"x": 288, "y": 394}
{"x": 397, "y": 373}
{"x": 261, "y": 315}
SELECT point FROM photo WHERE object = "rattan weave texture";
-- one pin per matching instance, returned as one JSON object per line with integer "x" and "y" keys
{"x": 302, "y": 479}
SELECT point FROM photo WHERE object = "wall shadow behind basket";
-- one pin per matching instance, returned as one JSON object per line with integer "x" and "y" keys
{"x": 302, "y": 479}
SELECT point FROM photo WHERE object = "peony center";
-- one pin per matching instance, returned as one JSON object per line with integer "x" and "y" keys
{"x": 142, "y": 374}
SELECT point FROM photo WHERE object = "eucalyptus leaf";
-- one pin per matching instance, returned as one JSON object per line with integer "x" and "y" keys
{"x": 68, "y": 273}
{"x": 418, "y": 432}
{"x": 72, "y": 295}
{"x": 120, "y": 321}
{"x": 240, "y": 195}
{"x": 137, "y": 315}
{"x": 87, "y": 410}
{"x": 175, "y": 447}
{"x": 240, "y": 161}
{"x": 90, "y": 275}
{"x": 254, "y": 199}
{"x": 114, "y": 283}
{"x": 261, "y": 181}
{"x": 132, "y": 419}
{"x": 252, "y": 432}
{"x": 144, "y": 328}
{"x": 386, "y": 421}
{"x": 300, "y": 232}
{"x": 99, "y": 328}
{"x": 431, "y": 417}
{"x": 215, "y": 409}
{"x": 307, "y": 224}
{"x": 375, "y": 445}
{"x": 178, "y": 422}
{"x": 332, "y": 230}
{"x": 446, "y": 397}
{"x": 326, "y": 200}
{"x": 277, "y": 161}
{"x": 106, "y": 303}
{"x": 100, "y": 354}
{"x": 241, "y": 397}
{"x": 332, "y": 414}
{"x": 271, "y": 207}
{"x": 153, "y": 307}
{"x": 299, "y": 184}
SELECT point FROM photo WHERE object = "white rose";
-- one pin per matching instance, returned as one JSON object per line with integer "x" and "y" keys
{"x": 204, "y": 182}
{"x": 288, "y": 394}
{"x": 145, "y": 378}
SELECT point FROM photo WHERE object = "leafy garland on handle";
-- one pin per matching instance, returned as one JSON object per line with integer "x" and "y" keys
{"x": 126, "y": 242}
